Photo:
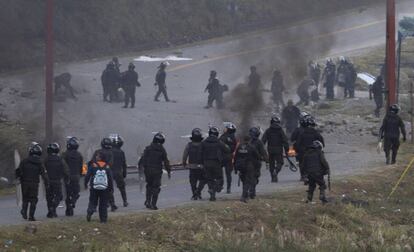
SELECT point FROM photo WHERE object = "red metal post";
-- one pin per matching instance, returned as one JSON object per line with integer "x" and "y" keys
{"x": 391, "y": 53}
{"x": 49, "y": 70}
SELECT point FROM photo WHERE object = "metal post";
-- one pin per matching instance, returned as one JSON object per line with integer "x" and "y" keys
{"x": 49, "y": 70}
{"x": 390, "y": 50}
{"x": 400, "y": 39}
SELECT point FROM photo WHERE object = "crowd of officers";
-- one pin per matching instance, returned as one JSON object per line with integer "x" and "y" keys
{"x": 204, "y": 158}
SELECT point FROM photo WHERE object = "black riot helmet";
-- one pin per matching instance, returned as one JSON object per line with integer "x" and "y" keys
{"x": 275, "y": 120}
{"x": 106, "y": 143}
{"x": 131, "y": 66}
{"x": 117, "y": 141}
{"x": 72, "y": 143}
{"x": 254, "y": 132}
{"x": 395, "y": 108}
{"x": 35, "y": 150}
{"x": 231, "y": 128}
{"x": 159, "y": 138}
{"x": 213, "y": 131}
{"x": 196, "y": 135}
{"x": 213, "y": 74}
{"x": 53, "y": 148}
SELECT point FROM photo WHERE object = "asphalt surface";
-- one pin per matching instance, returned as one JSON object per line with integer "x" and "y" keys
{"x": 90, "y": 119}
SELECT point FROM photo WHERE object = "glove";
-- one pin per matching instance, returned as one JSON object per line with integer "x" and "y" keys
{"x": 124, "y": 175}
{"x": 155, "y": 84}
{"x": 235, "y": 171}
{"x": 404, "y": 139}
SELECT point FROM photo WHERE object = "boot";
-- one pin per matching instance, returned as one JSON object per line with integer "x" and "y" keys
{"x": 387, "y": 158}
{"x": 88, "y": 217}
{"x": 148, "y": 199}
{"x": 54, "y": 213}
{"x": 124, "y": 197}
{"x": 212, "y": 195}
{"x": 253, "y": 193}
{"x": 228, "y": 191}
{"x": 154, "y": 202}
{"x": 310, "y": 197}
{"x": 69, "y": 211}
{"x": 322, "y": 196}
{"x": 50, "y": 213}
{"x": 394, "y": 158}
{"x": 23, "y": 212}
{"x": 32, "y": 211}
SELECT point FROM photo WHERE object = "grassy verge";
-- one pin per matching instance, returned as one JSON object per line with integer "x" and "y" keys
{"x": 281, "y": 221}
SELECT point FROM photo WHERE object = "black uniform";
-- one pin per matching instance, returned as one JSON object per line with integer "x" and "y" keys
{"x": 230, "y": 140}
{"x": 74, "y": 160}
{"x": 244, "y": 162}
{"x": 277, "y": 89}
{"x": 377, "y": 90}
{"x": 263, "y": 156}
{"x": 305, "y": 138}
{"x": 303, "y": 91}
{"x": 110, "y": 80}
{"x": 192, "y": 160}
{"x": 315, "y": 167}
{"x": 119, "y": 171}
{"x": 329, "y": 80}
{"x": 212, "y": 155}
{"x": 350, "y": 81}
{"x": 215, "y": 93}
{"x": 28, "y": 173}
{"x": 392, "y": 127}
{"x": 98, "y": 197}
{"x": 342, "y": 76}
{"x": 290, "y": 118}
{"x": 57, "y": 170}
{"x": 154, "y": 160}
{"x": 129, "y": 83}
{"x": 160, "y": 82}
{"x": 255, "y": 81}
{"x": 277, "y": 144}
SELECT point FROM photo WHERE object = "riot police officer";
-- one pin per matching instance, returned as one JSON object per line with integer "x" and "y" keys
{"x": 129, "y": 83}
{"x": 74, "y": 160}
{"x": 391, "y": 129}
{"x": 192, "y": 161}
{"x": 154, "y": 160}
{"x": 212, "y": 152}
{"x": 277, "y": 144}
{"x": 28, "y": 173}
{"x": 229, "y": 139}
{"x": 57, "y": 170}
{"x": 255, "y": 141}
{"x": 244, "y": 162}
{"x": 160, "y": 82}
{"x": 119, "y": 166}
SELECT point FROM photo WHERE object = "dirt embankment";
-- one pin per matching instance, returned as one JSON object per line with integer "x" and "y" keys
{"x": 85, "y": 29}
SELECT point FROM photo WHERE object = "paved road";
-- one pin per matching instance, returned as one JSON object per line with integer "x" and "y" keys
{"x": 90, "y": 119}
